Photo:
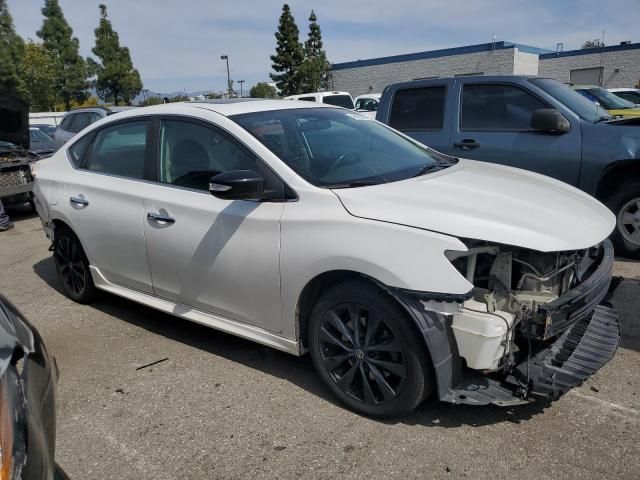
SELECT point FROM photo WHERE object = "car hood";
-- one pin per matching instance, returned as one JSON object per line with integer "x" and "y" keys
{"x": 488, "y": 202}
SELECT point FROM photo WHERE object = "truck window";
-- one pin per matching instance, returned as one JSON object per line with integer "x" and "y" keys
{"x": 497, "y": 107}
{"x": 418, "y": 109}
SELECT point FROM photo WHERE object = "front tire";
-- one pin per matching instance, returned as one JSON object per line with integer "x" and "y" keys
{"x": 72, "y": 266}
{"x": 368, "y": 352}
{"x": 625, "y": 204}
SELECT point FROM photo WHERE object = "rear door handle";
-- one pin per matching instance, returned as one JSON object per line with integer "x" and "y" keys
{"x": 467, "y": 144}
{"x": 158, "y": 217}
{"x": 78, "y": 202}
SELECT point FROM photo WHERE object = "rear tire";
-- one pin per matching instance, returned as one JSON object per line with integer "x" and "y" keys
{"x": 368, "y": 352}
{"x": 72, "y": 266}
{"x": 625, "y": 204}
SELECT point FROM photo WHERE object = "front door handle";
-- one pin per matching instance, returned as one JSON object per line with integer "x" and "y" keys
{"x": 158, "y": 217}
{"x": 467, "y": 144}
{"x": 78, "y": 202}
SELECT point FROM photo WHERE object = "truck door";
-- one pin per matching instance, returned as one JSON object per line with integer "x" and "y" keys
{"x": 492, "y": 124}
{"x": 419, "y": 109}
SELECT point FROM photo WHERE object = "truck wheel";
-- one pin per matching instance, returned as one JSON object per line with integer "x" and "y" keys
{"x": 72, "y": 266}
{"x": 368, "y": 352}
{"x": 625, "y": 204}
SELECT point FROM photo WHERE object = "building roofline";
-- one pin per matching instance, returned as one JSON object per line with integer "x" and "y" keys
{"x": 590, "y": 51}
{"x": 445, "y": 52}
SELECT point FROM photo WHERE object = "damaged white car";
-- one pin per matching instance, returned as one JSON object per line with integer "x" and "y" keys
{"x": 308, "y": 228}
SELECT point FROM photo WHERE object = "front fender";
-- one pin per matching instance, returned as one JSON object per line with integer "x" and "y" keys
{"x": 328, "y": 239}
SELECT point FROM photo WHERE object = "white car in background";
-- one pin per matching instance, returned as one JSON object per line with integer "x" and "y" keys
{"x": 337, "y": 99}
{"x": 630, "y": 94}
{"x": 368, "y": 104}
{"x": 310, "y": 228}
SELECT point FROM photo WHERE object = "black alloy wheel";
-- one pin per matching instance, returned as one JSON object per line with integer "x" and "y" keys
{"x": 368, "y": 351}
{"x": 362, "y": 354}
{"x": 73, "y": 267}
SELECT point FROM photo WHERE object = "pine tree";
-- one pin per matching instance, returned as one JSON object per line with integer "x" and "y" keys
{"x": 116, "y": 79}
{"x": 315, "y": 69}
{"x": 11, "y": 52}
{"x": 70, "y": 68}
{"x": 289, "y": 55}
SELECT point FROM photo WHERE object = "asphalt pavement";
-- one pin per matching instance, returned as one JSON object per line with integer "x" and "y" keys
{"x": 215, "y": 406}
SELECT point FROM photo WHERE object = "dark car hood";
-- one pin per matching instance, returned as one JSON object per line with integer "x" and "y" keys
{"x": 14, "y": 121}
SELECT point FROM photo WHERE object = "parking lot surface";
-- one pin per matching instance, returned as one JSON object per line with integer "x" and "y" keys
{"x": 220, "y": 407}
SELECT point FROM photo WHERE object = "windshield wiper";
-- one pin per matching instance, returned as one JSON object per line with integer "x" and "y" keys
{"x": 603, "y": 119}
{"x": 354, "y": 184}
{"x": 429, "y": 168}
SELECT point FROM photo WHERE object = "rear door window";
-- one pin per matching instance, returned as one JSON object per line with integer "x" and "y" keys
{"x": 67, "y": 122}
{"x": 497, "y": 107}
{"x": 80, "y": 121}
{"x": 307, "y": 99}
{"x": 418, "y": 108}
{"x": 120, "y": 150}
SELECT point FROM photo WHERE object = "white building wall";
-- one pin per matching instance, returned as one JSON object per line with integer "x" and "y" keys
{"x": 374, "y": 78}
{"x": 525, "y": 63}
{"x": 621, "y": 68}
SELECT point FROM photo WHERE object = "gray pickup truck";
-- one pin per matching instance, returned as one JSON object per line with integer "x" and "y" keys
{"x": 533, "y": 123}
{"x": 16, "y": 179}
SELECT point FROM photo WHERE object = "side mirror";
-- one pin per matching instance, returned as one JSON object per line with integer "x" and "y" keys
{"x": 237, "y": 185}
{"x": 549, "y": 120}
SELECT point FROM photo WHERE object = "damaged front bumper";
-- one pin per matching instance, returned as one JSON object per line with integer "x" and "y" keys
{"x": 580, "y": 334}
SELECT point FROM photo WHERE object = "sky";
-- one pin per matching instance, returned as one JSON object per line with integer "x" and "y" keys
{"x": 176, "y": 45}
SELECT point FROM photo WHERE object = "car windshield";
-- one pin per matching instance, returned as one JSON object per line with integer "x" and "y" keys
{"x": 572, "y": 99}
{"x": 37, "y": 135}
{"x": 339, "y": 101}
{"x": 334, "y": 148}
{"x": 607, "y": 99}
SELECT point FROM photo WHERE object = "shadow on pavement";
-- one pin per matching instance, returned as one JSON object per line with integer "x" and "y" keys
{"x": 298, "y": 371}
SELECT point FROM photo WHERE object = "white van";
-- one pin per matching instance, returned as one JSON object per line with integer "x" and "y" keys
{"x": 338, "y": 99}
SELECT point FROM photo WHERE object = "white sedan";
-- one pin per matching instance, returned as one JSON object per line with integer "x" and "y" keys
{"x": 311, "y": 228}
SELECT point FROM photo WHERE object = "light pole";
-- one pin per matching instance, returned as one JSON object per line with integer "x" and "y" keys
{"x": 240, "y": 82}
{"x": 226, "y": 57}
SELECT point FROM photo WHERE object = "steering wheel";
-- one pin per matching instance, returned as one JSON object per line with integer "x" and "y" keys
{"x": 344, "y": 156}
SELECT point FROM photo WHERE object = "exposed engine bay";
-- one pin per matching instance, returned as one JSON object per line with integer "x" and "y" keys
{"x": 508, "y": 315}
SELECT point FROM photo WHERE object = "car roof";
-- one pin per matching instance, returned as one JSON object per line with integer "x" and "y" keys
{"x": 624, "y": 89}
{"x": 224, "y": 107}
{"x": 584, "y": 87}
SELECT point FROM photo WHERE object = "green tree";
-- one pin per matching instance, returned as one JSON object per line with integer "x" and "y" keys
{"x": 595, "y": 43}
{"x": 38, "y": 75}
{"x": 11, "y": 52}
{"x": 263, "y": 90}
{"x": 289, "y": 55}
{"x": 314, "y": 71}
{"x": 116, "y": 79}
{"x": 70, "y": 68}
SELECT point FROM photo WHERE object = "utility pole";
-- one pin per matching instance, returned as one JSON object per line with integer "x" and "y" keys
{"x": 240, "y": 82}
{"x": 226, "y": 57}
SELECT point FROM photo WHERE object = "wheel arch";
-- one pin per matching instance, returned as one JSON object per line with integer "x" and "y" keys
{"x": 329, "y": 279}
{"x": 619, "y": 173}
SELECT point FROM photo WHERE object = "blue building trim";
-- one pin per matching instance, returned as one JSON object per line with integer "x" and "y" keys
{"x": 590, "y": 51}
{"x": 445, "y": 52}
